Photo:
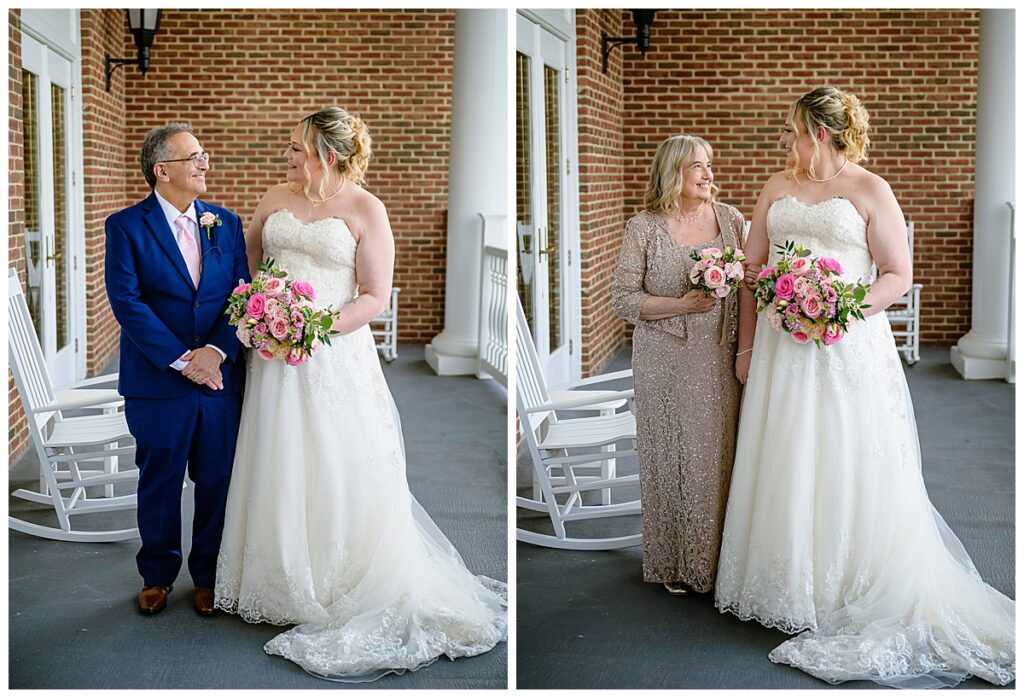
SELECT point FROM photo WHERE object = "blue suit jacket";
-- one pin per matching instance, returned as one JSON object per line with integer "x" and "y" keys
{"x": 162, "y": 315}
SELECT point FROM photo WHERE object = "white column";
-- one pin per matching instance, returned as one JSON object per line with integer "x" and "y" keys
{"x": 981, "y": 353}
{"x": 477, "y": 178}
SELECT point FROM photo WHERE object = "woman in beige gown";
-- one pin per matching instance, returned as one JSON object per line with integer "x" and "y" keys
{"x": 684, "y": 351}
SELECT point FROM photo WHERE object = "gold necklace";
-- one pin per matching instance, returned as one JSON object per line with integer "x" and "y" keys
{"x": 327, "y": 198}
{"x": 690, "y": 220}
{"x": 838, "y": 172}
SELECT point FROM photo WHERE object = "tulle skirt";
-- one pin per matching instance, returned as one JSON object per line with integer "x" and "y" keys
{"x": 321, "y": 530}
{"x": 829, "y": 531}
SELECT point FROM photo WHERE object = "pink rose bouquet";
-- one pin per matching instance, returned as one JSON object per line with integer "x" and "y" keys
{"x": 717, "y": 272}
{"x": 807, "y": 298}
{"x": 276, "y": 317}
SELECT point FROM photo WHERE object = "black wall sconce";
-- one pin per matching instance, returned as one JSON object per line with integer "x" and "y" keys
{"x": 144, "y": 24}
{"x": 643, "y": 19}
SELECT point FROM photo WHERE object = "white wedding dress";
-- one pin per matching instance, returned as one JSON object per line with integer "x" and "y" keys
{"x": 321, "y": 529}
{"x": 829, "y": 528}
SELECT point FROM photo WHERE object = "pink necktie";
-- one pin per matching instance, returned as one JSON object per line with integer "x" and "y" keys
{"x": 189, "y": 249}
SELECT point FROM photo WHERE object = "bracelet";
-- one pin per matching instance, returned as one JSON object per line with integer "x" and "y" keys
{"x": 741, "y": 353}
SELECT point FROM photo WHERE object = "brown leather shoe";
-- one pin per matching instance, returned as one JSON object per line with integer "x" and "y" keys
{"x": 153, "y": 599}
{"x": 203, "y": 601}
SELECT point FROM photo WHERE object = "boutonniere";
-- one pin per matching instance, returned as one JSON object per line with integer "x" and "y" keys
{"x": 208, "y": 220}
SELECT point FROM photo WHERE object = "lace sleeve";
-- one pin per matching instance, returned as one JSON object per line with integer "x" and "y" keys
{"x": 734, "y": 219}
{"x": 628, "y": 294}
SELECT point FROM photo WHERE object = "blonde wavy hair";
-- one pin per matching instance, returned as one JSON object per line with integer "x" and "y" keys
{"x": 842, "y": 116}
{"x": 666, "y": 182}
{"x": 334, "y": 130}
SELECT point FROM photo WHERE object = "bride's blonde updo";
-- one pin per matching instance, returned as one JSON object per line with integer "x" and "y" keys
{"x": 334, "y": 130}
{"x": 840, "y": 114}
{"x": 666, "y": 182}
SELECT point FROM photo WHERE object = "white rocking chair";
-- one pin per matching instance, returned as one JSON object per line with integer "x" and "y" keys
{"x": 64, "y": 444}
{"x": 905, "y": 312}
{"x": 385, "y": 328}
{"x": 570, "y": 446}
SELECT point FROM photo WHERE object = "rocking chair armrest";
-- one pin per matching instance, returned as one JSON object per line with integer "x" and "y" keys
{"x": 97, "y": 380}
{"x": 75, "y": 404}
{"x": 602, "y": 378}
{"x": 580, "y": 402}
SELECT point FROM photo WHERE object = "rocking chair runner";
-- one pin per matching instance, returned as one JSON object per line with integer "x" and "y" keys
{"x": 64, "y": 444}
{"x": 569, "y": 446}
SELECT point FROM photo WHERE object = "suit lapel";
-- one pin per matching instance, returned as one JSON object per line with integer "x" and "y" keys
{"x": 206, "y": 243}
{"x": 154, "y": 219}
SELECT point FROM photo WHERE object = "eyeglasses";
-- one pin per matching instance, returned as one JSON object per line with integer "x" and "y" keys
{"x": 196, "y": 159}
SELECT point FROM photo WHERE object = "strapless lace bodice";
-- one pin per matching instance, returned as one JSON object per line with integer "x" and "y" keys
{"x": 829, "y": 228}
{"x": 322, "y": 252}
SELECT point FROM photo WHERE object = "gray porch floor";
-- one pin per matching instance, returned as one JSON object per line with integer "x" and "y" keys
{"x": 72, "y": 615}
{"x": 587, "y": 619}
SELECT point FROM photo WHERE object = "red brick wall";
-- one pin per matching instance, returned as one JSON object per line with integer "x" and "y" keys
{"x": 730, "y": 76}
{"x": 105, "y": 190}
{"x": 17, "y": 434}
{"x": 601, "y": 154}
{"x": 255, "y": 73}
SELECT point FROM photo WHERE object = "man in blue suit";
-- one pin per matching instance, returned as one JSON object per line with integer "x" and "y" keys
{"x": 172, "y": 260}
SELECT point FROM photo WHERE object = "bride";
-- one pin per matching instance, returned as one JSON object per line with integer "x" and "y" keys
{"x": 321, "y": 530}
{"x": 829, "y": 531}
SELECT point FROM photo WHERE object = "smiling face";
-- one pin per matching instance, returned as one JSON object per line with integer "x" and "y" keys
{"x": 184, "y": 179}
{"x": 799, "y": 146}
{"x": 697, "y": 176}
{"x": 295, "y": 155}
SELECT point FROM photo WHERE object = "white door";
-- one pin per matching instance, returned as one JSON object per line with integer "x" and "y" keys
{"x": 546, "y": 229}
{"x": 52, "y": 228}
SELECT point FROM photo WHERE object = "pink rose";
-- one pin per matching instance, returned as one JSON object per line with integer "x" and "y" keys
{"x": 801, "y": 287}
{"x": 207, "y": 219}
{"x": 296, "y": 357}
{"x": 800, "y": 266}
{"x": 832, "y": 335}
{"x": 784, "y": 286}
{"x": 271, "y": 306}
{"x": 714, "y": 277}
{"x": 817, "y": 330}
{"x": 256, "y": 305}
{"x": 279, "y": 328}
{"x": 734, "y": 270}
{"x": 766, "y": 273}
{"x": 274, "y": 287}
{"x": 829, "y": 264}
{"x": 304, "y": 288}
{"x": 722, "y": 291}
{"x": 241, "y": 288}
{"x": 799, "y": 337}
{"x": 711, "y": 253}
{"x": 811, "y": 306}
{"x": 265, "y": 354}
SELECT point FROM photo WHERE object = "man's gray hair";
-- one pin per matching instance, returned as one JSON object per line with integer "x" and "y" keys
{"x": 155, "y": 148}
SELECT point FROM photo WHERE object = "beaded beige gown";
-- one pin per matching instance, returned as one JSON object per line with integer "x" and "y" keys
{"x": 687, "y": 400}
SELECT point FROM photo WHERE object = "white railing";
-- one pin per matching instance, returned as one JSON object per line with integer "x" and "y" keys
{"x": 1011, "y": 340}
{"x": 492, "y": 357}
